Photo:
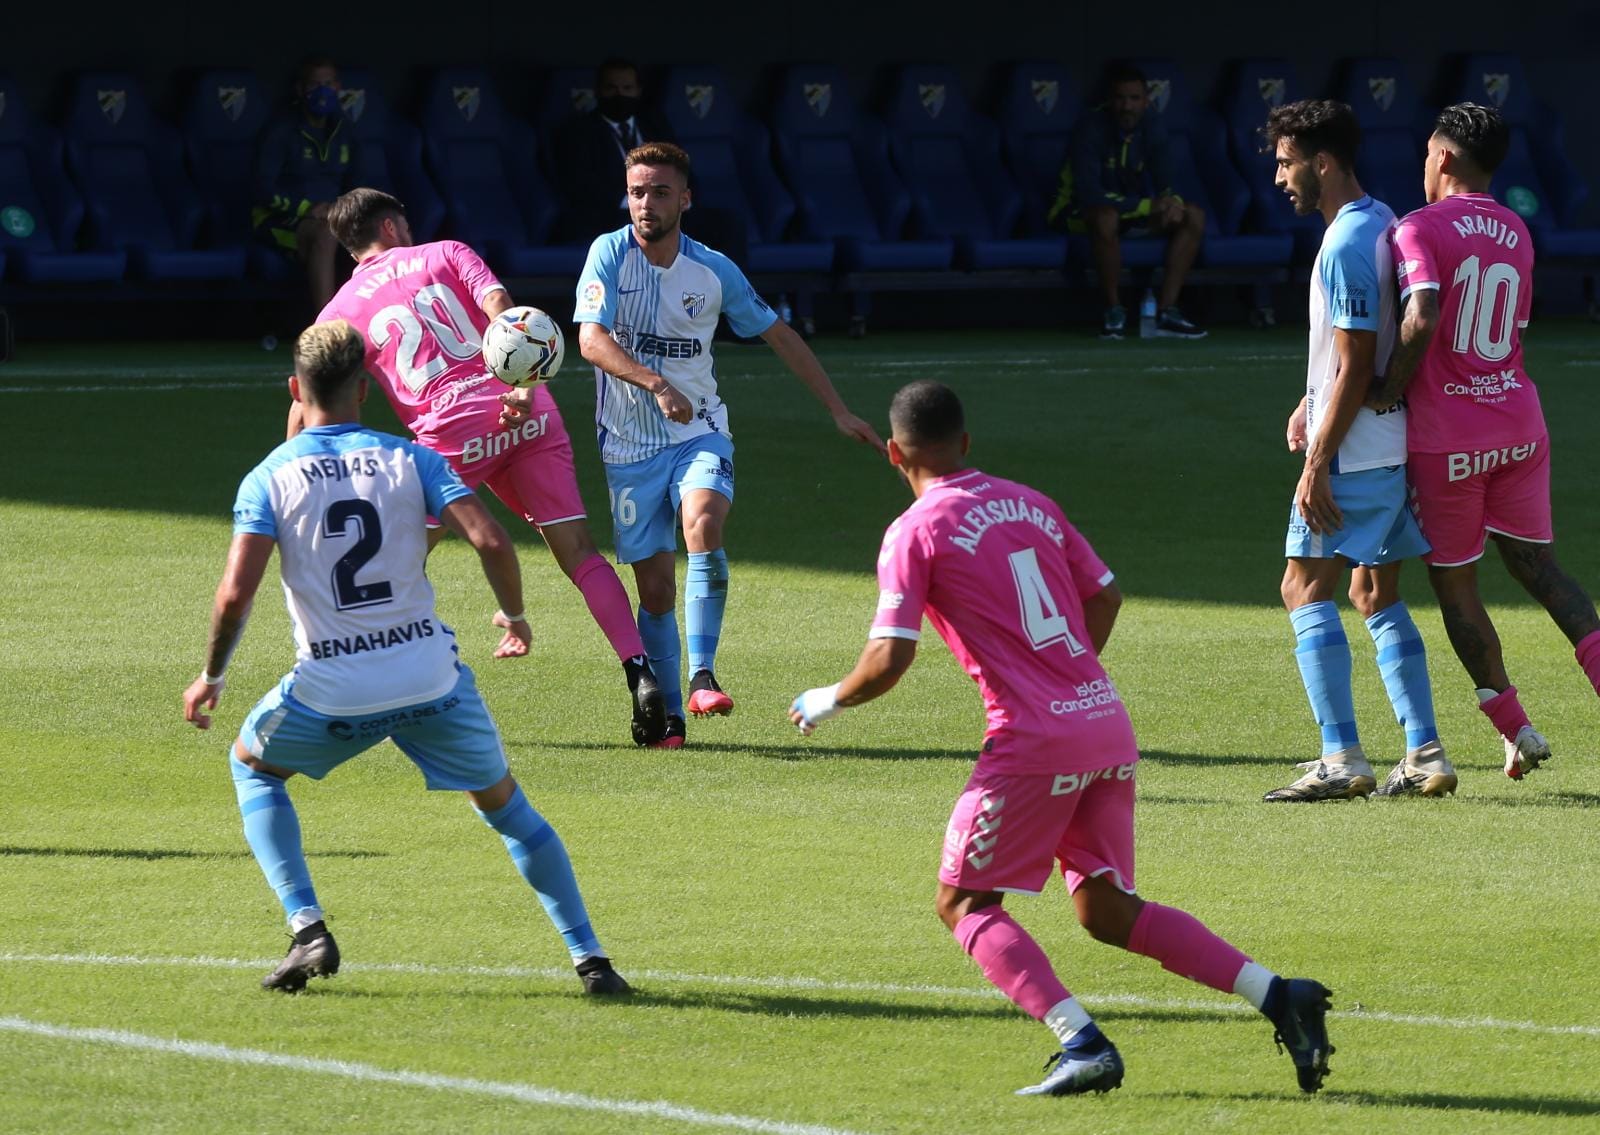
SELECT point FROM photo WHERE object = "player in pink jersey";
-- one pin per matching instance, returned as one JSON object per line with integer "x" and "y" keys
{"x": 422, "y": 310}
{"x": 1026, "y": 607}
{"x": 1479, "y": 453}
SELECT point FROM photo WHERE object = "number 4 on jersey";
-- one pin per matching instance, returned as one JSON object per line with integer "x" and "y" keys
{"x": 1042, "y": 619}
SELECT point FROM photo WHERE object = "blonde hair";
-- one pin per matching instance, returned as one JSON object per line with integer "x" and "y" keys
{"x": 326, "y": 357}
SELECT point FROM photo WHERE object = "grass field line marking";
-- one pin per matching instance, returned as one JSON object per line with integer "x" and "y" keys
{"x": 370, "y": 1073}
{"x": 145, "y": 387}
{"x": 817, "y": 984}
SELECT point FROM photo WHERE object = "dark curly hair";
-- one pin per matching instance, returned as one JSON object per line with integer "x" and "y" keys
{"x": 356, "y": 217}
{"x": 1479, "y": 132}
{"x": 1316, "y": 126}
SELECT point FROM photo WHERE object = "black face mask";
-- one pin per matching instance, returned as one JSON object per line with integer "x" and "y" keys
{"x": 619, "y": 108}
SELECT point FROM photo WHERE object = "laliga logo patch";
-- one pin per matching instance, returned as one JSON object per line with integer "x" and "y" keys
{"x": 112, "y": 104}
{"x": 232, "y": 100}
{"x": 1045, "y": 92}
{"x": 1272, "y": 90}
{"x": 468, "y": 99}
{"x": 582, "y": 99}
{"x": 1497, "y": 87}
{"x": 819, "y": 96}
{"x": 1382, "y": 91}
{"x": 932, "y": 96}
{"x": 353, "y": 101}
{"x": 694, "y": 303}
{"x": 1160, "y": 91}
{"x": 700, "y": 96}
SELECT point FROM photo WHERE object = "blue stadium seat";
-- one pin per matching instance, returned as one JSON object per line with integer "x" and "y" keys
{"x": 567, "y": 91}
{"x": 1536, "y": 180}
{"x": 1038, "y": 108}
{"x": 733, "y": 170}
{"x": 484, "y": 162}
{"x": 222, "y": 124}
{"x": 390, "y": 154}
{"x": 40, "y": 212}
{"x": 1198, "y": 144}
{"x": 949, "y": 157}
{"x": 1393, "y": 134}
{"x": 1253, "y": 88}
{"x": 836, "y": 160}
{"x": 129, "y": 167}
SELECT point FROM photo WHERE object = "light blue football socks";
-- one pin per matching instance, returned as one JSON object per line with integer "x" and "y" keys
{"x": 1323, "y": 654}
{"x": 272, "y": 829}
{"x": 1403, "y": 662}
{"x": 705, "y": 598}
{"x": 660, "y": 636}
{"x": 542, "y": 860}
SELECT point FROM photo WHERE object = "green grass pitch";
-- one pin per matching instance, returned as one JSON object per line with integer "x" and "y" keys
{"x": 770, "y": 896}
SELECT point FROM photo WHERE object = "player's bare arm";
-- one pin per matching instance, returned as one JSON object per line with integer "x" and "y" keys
{"x": 469, "y": 519}
{"x": 247, "y": 563}
{"x": 1295, "y": 434}
{"x": 598, "y": 347}
{"x": 1417, "y": 326}
{"x": 804, "y": 365}
{"x": 883, "y": 661}
{"x": 1100, "y": 615}
{"x": 1356, "y": 351}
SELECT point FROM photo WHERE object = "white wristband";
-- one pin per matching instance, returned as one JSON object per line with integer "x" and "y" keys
{"x": 820, "y": 704}
{"x": 212, "y": 679}
{"x": 517, "y": 618}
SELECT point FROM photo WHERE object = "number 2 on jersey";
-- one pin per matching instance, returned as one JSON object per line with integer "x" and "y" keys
{"x": 1042, "y": 619}
{"x": 347, "y": 593}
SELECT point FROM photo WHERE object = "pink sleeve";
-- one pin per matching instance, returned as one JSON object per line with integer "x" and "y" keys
{"x": 1413, "y": 258}
{"x": 475, "y": 275}
{"x": 905, "y": 564}
{"x": 1089, "y": 572}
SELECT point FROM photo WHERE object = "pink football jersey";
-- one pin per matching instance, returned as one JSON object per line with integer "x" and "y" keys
{"x": 1002, "y": 577}
{"x": 1470, "y": 390}
{"x": 420, "y": 310}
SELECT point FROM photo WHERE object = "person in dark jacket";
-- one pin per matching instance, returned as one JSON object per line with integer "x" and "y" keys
{"x": 1119, "y": 182}
{"x": 307, "y": 158}
{"x": 591, "y": 147}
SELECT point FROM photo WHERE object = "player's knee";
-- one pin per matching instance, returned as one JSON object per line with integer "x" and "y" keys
{"x": 703, "y": 531}
{"x": 1194, "y": 219}
{"x": 657, "y": 596}
{"x": 1101, "y": 223}
{"x": 1108, "y": 914}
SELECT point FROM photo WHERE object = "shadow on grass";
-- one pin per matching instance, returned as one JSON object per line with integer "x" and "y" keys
{"x": 1438, "y": 1101}
{"x": 1210, "y": 760}
{"x": 150, "y": 853}
{"x": 797, "y": 752}
{"x": 1539, "y": 800}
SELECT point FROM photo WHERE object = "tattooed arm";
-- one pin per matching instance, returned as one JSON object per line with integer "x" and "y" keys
{"x": 1417, "y": 325}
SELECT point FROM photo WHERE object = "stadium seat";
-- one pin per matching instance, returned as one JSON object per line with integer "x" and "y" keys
{"x": 949, "y": 157}
{"x": 40, "y": 212}
{"x": 1393, "y": 135}
{"x": 389, "y": 156}
{"x": 484, "y": 162}
{"x": 836, "y": 160}
{"x": 129, "y": 167}
{"x": 222, "y": 123}
{"x": 733, "y": 172}
{"x": 1536, "y": 180}
{"x": 1038, "y": 109}
{"x": 1205, "y": 176}
{"x": 1253, "y": 88}
{"x": 567, "y": 91}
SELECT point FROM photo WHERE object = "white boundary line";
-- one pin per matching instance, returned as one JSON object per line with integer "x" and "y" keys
{"x": 351, "y": 1070}
{"x": 799, "y": 983}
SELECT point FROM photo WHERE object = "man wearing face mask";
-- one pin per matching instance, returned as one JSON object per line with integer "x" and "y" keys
{"x": 591, "y": 148}
{"x": 307, "y": 158}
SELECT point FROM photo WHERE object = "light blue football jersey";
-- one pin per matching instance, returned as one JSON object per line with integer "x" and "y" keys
{"x": 665, "y": 318}
{"x": 348, "y": 507}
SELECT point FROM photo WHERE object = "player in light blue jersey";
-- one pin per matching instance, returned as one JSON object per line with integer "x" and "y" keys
{"x": 648, "y": 303}
{"x": 347, "y": 508}
{"x": 1350, "y": 504}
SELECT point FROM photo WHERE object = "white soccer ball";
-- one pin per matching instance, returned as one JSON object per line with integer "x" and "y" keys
{"x": 523, "y": 346}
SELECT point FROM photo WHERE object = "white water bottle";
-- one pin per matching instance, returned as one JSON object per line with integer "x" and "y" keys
{"x": 1147, "y": 315}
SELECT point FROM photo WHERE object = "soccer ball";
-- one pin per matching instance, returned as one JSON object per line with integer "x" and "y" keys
{"x": 523, "y": 346}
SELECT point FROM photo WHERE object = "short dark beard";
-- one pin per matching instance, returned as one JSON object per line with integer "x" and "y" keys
{"x": 1309, "y": 201}
{"x": 659, "y": 237}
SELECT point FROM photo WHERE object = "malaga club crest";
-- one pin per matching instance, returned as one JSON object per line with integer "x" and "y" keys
{"x": 1160, "y": 92}
{"x": 112, "y": 104}
{"x": 819, "y": 96}
{"x": 232, "y": 101}
{"x": 583, "y": 99}
{"x": 932, "y": 96}
{"x": 1046, "y": 92}
{"x": 1272, "y": 90}
{"x": 694, "y": 303}
{"x": 353, "y": 102}
{"x": 1382, "y": 91}
{"x": 699, "y": 96}
{"x": 1497, "y": 86}
{"x": 468, "y": 100}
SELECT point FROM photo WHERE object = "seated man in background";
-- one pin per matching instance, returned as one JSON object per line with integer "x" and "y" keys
{"x": 591, "y": 147}
{"x": 306, "y": 159}
{"x": 1118, "y": 182}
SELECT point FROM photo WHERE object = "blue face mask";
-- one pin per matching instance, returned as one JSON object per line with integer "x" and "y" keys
{"x": 323, "y": 101}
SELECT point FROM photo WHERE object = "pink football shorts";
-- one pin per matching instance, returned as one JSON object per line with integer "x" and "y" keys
{"x": 528, "y": 466}
{"x": 1462, "y": 497}
{"x": 1006, "y": 832}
